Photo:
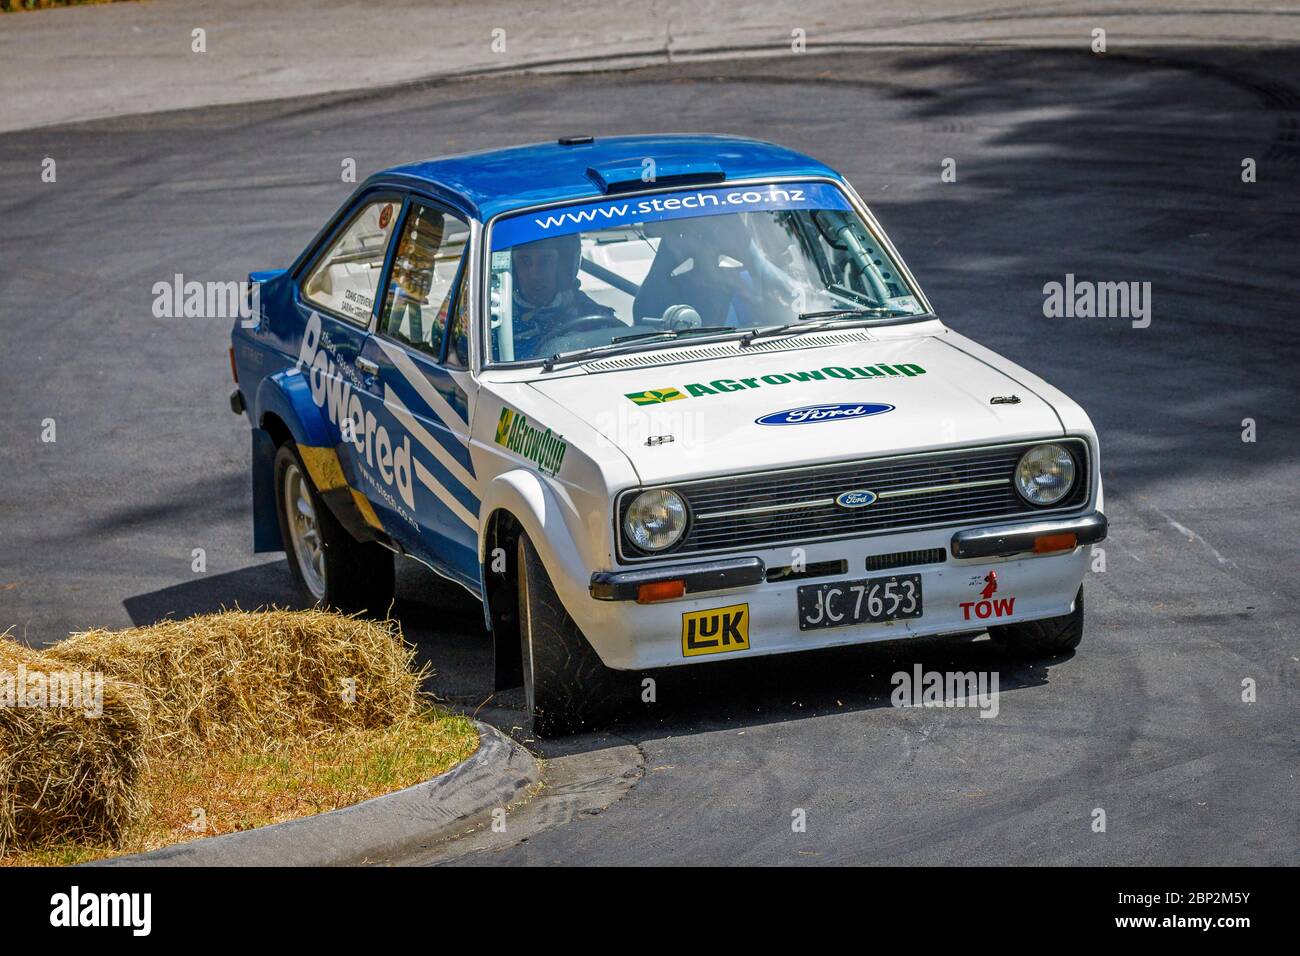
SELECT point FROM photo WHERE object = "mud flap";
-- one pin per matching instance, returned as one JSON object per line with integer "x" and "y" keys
{"x": 266, "y": 525}
{"x": 501, "y": 605}
{"x": 507, "y": 662}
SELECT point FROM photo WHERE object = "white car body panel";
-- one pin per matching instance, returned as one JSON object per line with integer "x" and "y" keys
{"x": 945, "y": 406}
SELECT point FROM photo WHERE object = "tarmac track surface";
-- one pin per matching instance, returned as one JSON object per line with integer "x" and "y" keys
{"x": 1114, "y": 168}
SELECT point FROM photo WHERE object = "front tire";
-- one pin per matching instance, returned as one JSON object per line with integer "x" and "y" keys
{"x": 567, "y": 688}
{"x": 1050, "y": 637}
{"x": 330, "y": 567}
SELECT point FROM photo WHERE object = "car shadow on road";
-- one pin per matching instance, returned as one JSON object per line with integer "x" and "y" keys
{"x": 757, "y": 691}
{"x": 446, "y": 626}
{"x": 442, "y": 620}
{"x": 258, "y": 586}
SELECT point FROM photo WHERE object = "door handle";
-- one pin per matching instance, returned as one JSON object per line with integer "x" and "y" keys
{"x": 367, "y": 367}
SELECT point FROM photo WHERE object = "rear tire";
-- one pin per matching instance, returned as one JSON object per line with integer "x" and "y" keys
{"x": 330, "y": 567}
{"x": 1051, "y": 637}
{"x": 567, "y": 688}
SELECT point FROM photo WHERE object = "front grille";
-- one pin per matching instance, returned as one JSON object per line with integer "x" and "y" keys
{"x": 818, "y": 569}
{"x": 906, "y": 559}
{"x": 798, "y": 504}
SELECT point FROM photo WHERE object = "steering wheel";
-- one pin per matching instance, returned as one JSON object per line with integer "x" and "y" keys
{"x": 588, "y": 322}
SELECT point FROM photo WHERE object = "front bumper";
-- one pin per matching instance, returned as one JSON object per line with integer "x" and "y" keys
{"x": 1001, "y": 541}
{"x": 1040, "y": 537}
{"x": 1029, "y": 586}
{"x": 708, "y": 576}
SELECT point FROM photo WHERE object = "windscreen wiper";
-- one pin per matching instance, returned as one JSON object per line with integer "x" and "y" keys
{"x": 790, "y": 328}
{"x": 625, "y": 342}
{"x": 797, "y": 328}
{"x": 672, "y": 333}
{"x": 875, "y": 311}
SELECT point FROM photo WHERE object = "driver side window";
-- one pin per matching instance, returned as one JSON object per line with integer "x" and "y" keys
{"x": 430, "y": 250}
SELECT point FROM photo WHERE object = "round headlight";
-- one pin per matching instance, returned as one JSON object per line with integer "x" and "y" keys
{"x": 1045, "y": 474}
{"x": 655, "y": 519}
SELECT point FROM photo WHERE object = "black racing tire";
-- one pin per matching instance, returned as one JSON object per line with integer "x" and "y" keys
{"x": 353, "y": 576}
{"x": 1050, "y": 637}
{"x": 567, "y": 688}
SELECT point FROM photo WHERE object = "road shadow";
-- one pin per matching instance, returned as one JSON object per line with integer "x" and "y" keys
{"x": 259, "y": 586}
{"x": 442, "y": 620}
{"x": 445, "y": 625}
{"x": 759, "y": 691}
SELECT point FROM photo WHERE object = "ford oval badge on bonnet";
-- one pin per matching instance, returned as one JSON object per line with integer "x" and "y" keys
{"x": 823, "y": 413}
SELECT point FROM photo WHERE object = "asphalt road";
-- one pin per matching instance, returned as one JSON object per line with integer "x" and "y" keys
{"x": 1114, "y": 168}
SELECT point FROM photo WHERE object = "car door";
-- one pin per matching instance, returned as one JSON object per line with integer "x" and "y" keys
{"x": 425, "y": 390}
{"x": 336, "y": 299}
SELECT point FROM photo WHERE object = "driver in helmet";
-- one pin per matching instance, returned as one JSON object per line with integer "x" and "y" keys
{"x": 546, "y": 296}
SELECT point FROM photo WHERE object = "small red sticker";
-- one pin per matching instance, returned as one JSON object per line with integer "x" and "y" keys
{"x": 989, "y": 606}
{"x": 385, "y": 216}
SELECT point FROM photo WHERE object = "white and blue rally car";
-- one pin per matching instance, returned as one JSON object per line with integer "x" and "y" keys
{"x": 654, "y": 401}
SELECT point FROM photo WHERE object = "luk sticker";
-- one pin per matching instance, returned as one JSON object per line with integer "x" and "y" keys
{"x": 823, "y": 413}
{"x": 832, "y": 373}
{"x": 544, "y": 448}
{"x": 715, "y": 631}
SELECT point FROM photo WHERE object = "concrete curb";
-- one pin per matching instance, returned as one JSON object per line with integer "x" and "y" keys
{"x": 498, "y": 773}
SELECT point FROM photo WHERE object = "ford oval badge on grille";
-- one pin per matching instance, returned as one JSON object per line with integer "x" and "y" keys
{"x": 823, "y": 413}
{"x": 857, "y": 498}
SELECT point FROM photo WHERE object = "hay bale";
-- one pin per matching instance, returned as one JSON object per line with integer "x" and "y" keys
{"x": 70, "y": 760}
{"x": 252, "y": 678}
{"x": 236, "y": 679}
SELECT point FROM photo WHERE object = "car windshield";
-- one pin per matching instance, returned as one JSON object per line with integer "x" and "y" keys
{"x": 666, "y": 266}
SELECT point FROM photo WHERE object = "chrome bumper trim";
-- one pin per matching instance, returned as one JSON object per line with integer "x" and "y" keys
{"x": 1005, "y": 540}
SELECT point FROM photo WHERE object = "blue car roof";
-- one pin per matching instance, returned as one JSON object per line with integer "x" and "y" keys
{"x": 486, "y": 184}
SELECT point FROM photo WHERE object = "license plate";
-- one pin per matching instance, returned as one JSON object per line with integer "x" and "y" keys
{"x": 865, "y": 601}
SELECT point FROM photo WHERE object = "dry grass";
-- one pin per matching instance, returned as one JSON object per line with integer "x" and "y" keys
{"x": 18, "y": 6}
{"x": 65, "y": 772}
{"x": 238, "y": 790}
{"x": 253, "y": 716}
